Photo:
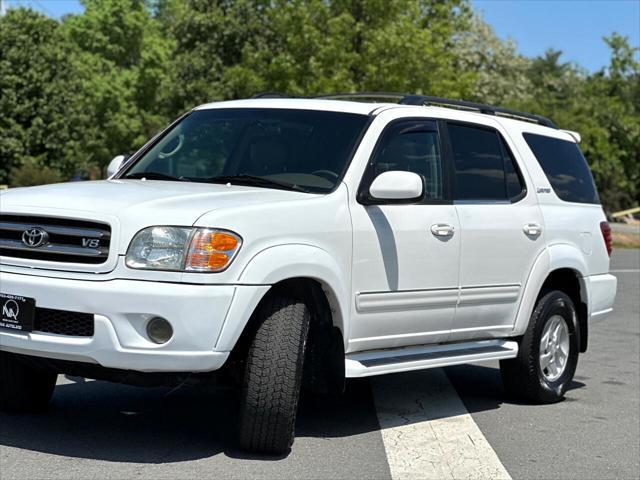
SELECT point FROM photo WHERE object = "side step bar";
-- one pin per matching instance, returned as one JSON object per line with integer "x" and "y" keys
{"x": 380, "y": 362}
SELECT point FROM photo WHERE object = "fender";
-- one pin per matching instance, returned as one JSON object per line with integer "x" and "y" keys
{"x": 565, "y": 255}
{"x": 554, "y": 257}
{"x": 282, "y": 262}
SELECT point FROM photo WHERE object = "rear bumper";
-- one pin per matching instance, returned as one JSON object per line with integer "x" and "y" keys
{"x": 601, "y": 292}
{"x": 121, "y": 310}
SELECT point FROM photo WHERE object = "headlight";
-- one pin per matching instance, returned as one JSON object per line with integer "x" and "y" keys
{"x": 183, "y": 249}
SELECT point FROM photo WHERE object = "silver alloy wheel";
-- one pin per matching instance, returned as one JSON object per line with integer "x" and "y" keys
{"x": 554, "y": 348}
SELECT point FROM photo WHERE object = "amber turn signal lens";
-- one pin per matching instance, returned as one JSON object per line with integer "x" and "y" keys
{"x": 223, "y": 242}
{"x": 207, "y": 261}
{"x": 211, "y": 250}
{"x": 218, "y": 260}
{"x": 209, "y": 242}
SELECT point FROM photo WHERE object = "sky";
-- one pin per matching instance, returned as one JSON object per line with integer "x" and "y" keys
{"x": 574, "y": 26}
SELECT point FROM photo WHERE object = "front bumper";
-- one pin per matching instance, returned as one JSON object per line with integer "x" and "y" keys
{"x": 121, "y": 309}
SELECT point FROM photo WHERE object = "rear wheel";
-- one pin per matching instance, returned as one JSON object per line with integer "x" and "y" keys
{"x": 24, "y": 387}
{"x": 548, "y": 354}
{"x": 273, "y": 373}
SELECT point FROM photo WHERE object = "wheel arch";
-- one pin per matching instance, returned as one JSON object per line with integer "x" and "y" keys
{"x": 559, "y": 267}
{"x": 308, "y": 273}
{"x": 288, "y": 262}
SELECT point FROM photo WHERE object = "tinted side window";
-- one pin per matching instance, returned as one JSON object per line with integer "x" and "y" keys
{"x": 565, "y": 167}
{"x": 479, "y": 165}
{"x": 412, "y": 147}
{"x": 515, "y": 184}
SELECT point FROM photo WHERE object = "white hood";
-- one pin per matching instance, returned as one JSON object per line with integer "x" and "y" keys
{"x": 130, "y": 205}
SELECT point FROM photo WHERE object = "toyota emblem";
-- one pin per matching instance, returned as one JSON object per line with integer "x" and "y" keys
{"x": 35, "y": 237}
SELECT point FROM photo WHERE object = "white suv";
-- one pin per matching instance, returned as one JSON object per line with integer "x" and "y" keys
{"x": 279, "y": 242}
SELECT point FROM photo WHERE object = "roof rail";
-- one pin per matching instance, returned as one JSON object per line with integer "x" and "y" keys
{"x": 479, "y": 107}
{"x": 272, "y": 95}
{"x": 424, "y": 100}
{"x": 363, "y": 96}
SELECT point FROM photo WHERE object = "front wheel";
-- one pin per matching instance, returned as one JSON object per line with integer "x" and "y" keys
{"x": 548, "y": 354}
{"x": 273, "y": 373}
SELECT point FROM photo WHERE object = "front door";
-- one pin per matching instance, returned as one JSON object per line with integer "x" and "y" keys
{"x": 405, "y": 256}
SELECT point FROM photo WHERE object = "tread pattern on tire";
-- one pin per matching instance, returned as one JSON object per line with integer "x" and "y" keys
{"x": 273, "y": 374}
{"x": 520, "y": 375}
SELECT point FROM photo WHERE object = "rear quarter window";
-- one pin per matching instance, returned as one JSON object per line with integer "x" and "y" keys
{"x": 565, "y": 167}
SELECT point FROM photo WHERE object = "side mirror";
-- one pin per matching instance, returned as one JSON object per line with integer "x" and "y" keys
{"x": 115, "y": 164}
{"x": 397, "y": 187}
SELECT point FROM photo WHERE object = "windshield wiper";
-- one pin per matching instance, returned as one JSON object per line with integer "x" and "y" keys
{"x": 255, "y": 181}
{"x": 155, "y": 176}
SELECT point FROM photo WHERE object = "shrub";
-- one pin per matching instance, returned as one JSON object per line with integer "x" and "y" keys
{"x": 30, "y": 173}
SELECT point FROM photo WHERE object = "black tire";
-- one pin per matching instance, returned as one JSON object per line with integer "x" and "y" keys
{"x": 522, "y": 376}
{"x": 273, "y": 374}
{"x": 24, "y": 388}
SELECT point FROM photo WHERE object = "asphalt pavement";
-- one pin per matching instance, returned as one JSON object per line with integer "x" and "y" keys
{"x": 595, "y": 432}
{"x": 100, "y": 430}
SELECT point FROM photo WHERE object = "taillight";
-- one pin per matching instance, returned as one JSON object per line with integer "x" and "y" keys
{"x": 606, "y": 234}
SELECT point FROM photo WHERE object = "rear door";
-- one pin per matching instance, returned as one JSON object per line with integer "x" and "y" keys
{"x": 501, "y": 230}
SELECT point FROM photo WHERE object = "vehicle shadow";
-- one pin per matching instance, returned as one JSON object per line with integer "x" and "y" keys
{"x": 387, "y": 241}
{"x": 480, "y": 388}
{"x": 119, "y": 423}
{"x": 105, "y": 421}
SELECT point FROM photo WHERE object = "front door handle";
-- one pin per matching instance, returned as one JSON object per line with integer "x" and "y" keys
{"x": 532, "y": 229}
{"x": 442, "y": 230}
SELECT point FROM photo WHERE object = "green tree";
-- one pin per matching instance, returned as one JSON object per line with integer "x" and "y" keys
{"x": 29, "y": 174}
{"x": 232, "y": 49}
{"x": 616, "y": 104}
{"x": 501, "y": 73}
{"x": 602, "y": 107}
{"x": 122, "y": 55}
{"x": 39, "y": 96}
{"x": 76, "y": 92}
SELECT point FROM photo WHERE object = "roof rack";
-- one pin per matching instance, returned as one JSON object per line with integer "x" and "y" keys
{"x": 424, "y": 100}
{"x": 479, "y": 107}
{"x": 273, "y": 95}
{"x": 363, "y": 96}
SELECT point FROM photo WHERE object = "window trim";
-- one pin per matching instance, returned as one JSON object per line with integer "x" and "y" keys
{"x": 451, "y": 161}
{"x": 364, "y": 198}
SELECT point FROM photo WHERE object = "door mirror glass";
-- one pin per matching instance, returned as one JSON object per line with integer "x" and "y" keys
{"x": 397, "y": 186}
{"x": 115, "y": 165}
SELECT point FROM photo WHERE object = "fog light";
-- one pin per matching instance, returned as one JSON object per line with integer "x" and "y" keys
{"x": 159, "y": 330}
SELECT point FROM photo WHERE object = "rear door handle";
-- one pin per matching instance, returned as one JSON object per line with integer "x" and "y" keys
{"x": 442, "y": 229}
{"x": 532, "y": 229}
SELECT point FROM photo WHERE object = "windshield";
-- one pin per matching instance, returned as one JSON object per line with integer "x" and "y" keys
{"x": 304, "y": 150}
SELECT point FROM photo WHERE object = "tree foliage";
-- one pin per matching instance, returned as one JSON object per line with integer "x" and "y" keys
{"x": 501, "y": 74}
{"x": 604, "y": 108}
{"x": 232, "y": 49}
{"x": 30, "y": 173}
{"x": 123, "y": 58}
{"x": 40, "y": 118}
{"x": 76, "y": 92}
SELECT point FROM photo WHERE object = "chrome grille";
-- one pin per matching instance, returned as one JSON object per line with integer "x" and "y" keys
{"x": 67, "y": 240}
